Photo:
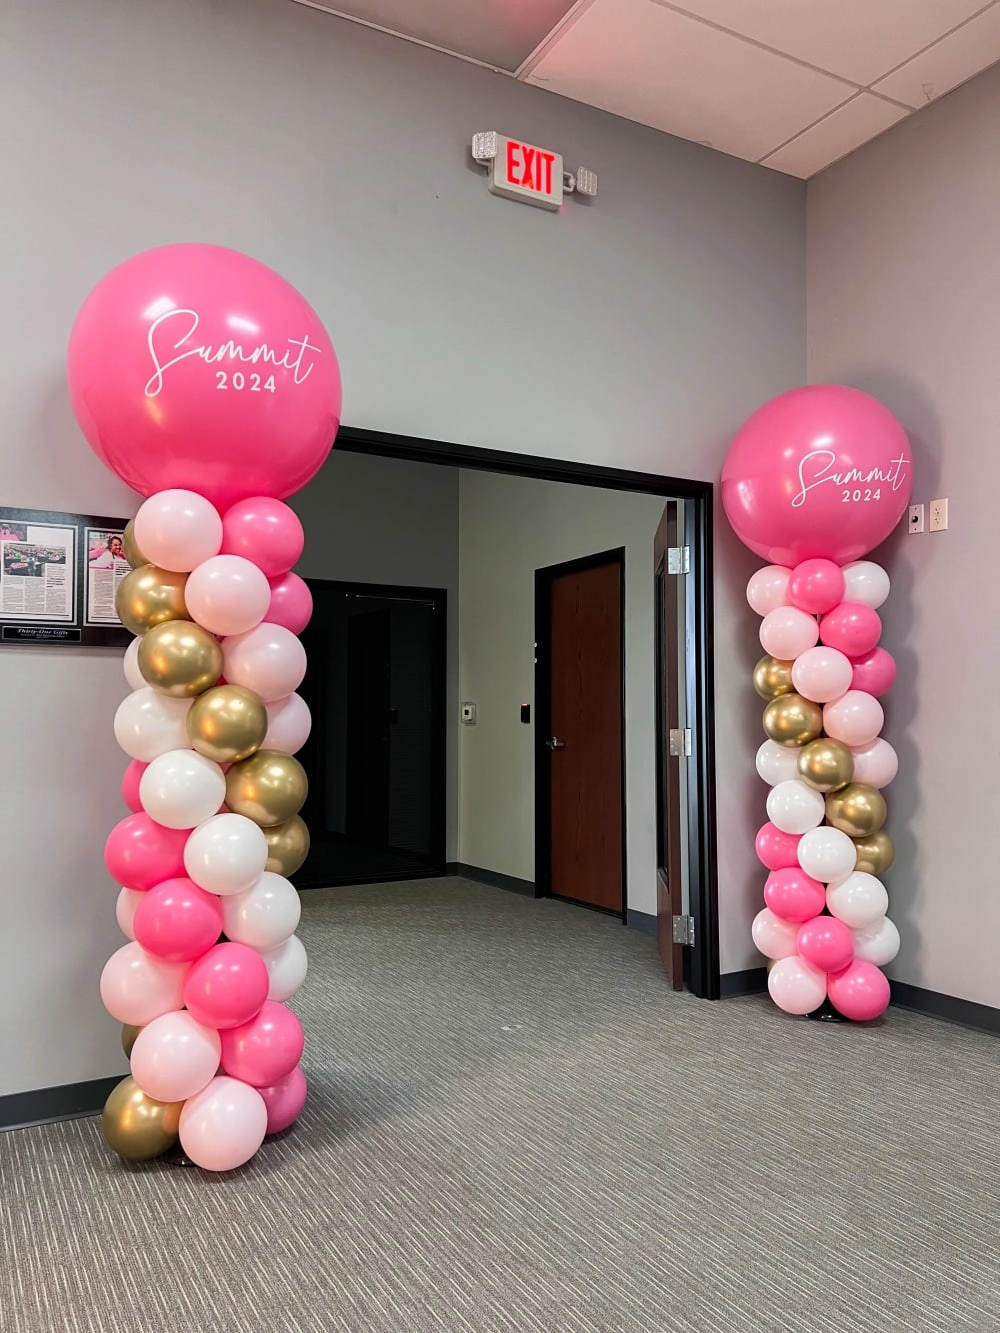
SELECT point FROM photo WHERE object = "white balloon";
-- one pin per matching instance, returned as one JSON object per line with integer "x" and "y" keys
{"x": 263, "y": 916}
{"x": 859, "y": 900}
{"x": 876, "y": 764}
{"x": 777, "y": 763}
{"x": 148, "y": 724}
{"x": 128, "y": 901}
{"x": 795, "y": 807}
{"x": 226, "y": 854}
{"x": 826, "y": 854}
{"x": 289, "y": 723}
{"x": 866, "y": 582}
{"x": 774, "y": 937}
{"x": 181, "y": 789}
{"x": 786, "y": 632}
{"x": 768, "y": 588}
{"x": 287, "y": 966}
{"x": 822, "y": 674}
{"x": 877, "y": 943}
{"x": 133, "y": 675}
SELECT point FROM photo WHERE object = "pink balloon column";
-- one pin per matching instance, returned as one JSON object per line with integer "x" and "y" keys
{"x": 206, "y": 382}
{"x": 813, "y": 481}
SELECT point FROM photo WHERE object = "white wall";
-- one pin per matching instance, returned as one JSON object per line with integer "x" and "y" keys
{"x": 637, "y": 331}
{"x": 904, "y": 301}
{"x": 509, "y": 527}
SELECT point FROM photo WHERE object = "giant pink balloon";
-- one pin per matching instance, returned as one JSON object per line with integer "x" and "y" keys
{"x": 140, "y": 853}
{"x": 195, "y": 367}
{"x": 822, "y": 471}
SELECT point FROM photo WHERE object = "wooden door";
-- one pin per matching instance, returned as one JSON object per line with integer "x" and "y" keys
{"x": 368, "y": 721}
{"x": 669, "y": 896}
{"x": 586, "y": 735}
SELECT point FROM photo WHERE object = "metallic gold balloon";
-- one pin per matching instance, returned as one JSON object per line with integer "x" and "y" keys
{"x": 792, "y": 720}
{"x": 772, "y": 677}
{"x": 180, "y": 659}
{"x": 876, "y": 853}
{"x": 149, "y": 596}
{"x": 269, "y": 787}
{"x": 825, "y": 764}
{"x": 136, "y": 1126}
{"x": 129, "y": 1034}
{"x": 287, "y": 846}
{"x": 132, "y": 553}
{"x": 227, "y": 723}
{"x": 857, "y": 810}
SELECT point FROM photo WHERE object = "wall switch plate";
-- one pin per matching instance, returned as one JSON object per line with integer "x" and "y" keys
{"x": 937, "y": 518}
{"x": 916, "y": 518}
{"x": 526, "y": 713}
{"x": 469, "y": 715}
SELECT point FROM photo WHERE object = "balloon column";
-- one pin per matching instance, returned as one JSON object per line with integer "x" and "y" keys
{"x": 209, "y": 385}
{"x": 814, "y": 481}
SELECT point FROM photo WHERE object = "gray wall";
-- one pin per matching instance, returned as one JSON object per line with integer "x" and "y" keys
{"x": 639, "y": 331}
{"x": 904, "y": 300}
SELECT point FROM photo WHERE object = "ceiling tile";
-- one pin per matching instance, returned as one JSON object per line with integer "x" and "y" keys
{"x": 835, "y": 136}
{"x": 948, "y": 63}
{"x": 857, "y": 39}
{"x": 502, "y": 33}
{"x": 647, "y": 63}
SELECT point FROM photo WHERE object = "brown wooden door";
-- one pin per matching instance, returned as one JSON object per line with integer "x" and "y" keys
{"x": 586, "y": 734}
{"x": 669, "y": 897}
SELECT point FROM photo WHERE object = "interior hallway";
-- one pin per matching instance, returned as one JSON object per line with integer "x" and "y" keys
{"x": 514, "y": 1127}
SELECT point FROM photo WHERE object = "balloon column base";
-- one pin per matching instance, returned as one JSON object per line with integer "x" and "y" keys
{"x": 827, "y": 1014}
{"x": 176, "y": 1156}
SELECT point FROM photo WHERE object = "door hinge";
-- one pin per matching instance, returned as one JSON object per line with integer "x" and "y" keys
{"x": 680, "y": 741}
{"x": 684, "y": 930}
{"x": 679, "y": 560}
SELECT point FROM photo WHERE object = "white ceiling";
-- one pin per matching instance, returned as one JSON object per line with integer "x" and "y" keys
{"x": 792, "y": 84}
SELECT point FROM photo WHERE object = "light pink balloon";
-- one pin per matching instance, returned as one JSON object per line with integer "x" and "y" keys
{"x": 227, "y": 595}
{"x": 125, "y": 908}
{"x": 821, "y": 674}
{"x": 786, "y": 632}
{"x": 875, "y": 672}
{"x": 856, "y": 719}
{"x": 265, "y": 531}
{"x": 223, "y": 1125}
{"x": 178, "y": 530}
{"x": 796, "y": 986}
{"x": 285, "y": 1100}
{"x": 772, "y": 936}
{"x": 852, "y": 627}
{"x": 768, "y": 588}
{"x": 875, "y": 764}
{"x": 861, "y": 992}
{"x": 136, "y": 987}
{"x": 816, "y": 586}
{"x": 288, "y": 724}
{"x": 268, "y": 660}
{"x": 291, "y": 603}
{"x": 174, "y": 1057}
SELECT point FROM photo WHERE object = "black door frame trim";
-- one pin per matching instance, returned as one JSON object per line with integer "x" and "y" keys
{"x": 544, "y": 579}
{"x": 700, "y": 659}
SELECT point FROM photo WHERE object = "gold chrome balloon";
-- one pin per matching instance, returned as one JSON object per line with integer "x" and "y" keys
{"x": 875, "y": 853}
{"x": 136, "y": 1126}
{"x": 149, "y": 596}
{"x": 269, "y": 787}
{"x": 287, "y": 846}
{"x": 129, "y": 1034}
{"x": 857, "y": 810}
{"x": 227, "y": 723}
{"x": 132, "y": 553}
{"x": 180, "y": 659}
{"x": 772, "y": 677}
{"x": 825, "y": 764}
{"x": 792, "y": 720}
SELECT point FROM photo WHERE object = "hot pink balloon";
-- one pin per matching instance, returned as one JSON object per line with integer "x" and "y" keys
{"x": 195, "y": 367}
{"x": 139, "y": 853}
{"x": 822, "y": 471}
{"x": 266, "y": 1049}
{"x": 875, "y": 764}
{"x": 796, "y": 986}
{"x": 861, "y": 992}
{"x": 268, "y": 660}
{"x": 793, "y": 895}
{"x": 816, "y": 586}
{"x": 291, "y": 603}
{"x": 288, "y": 724}
{"x": 826, "y": 943}
{"x": 777, "y": 850}
{"x": 773, "y": 937}
{"x": 285, "y": 1100}
{"x": 265, "y": 532}
{"x": 130, "y": 785}
{"x": 222, "y": 1126}
{"x": 855, "y": 718}
{"x": 226, "y": 986}
{"x": 851, "y": 627}
{"x": 875, "y": 672}
{"x": 178, "y": 921}
{"x": 227, "y": 595}
{"x": 786, "y": 632}
{"x": 136, "y": 987}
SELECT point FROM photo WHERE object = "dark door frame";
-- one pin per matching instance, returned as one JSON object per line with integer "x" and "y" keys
{"x": 699, "y": 684}
{"x": 543, "y": 719}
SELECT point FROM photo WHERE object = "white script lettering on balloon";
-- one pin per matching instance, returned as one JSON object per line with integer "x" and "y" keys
{"x": 814, "y": 470}
{"x": 290, "y": 359}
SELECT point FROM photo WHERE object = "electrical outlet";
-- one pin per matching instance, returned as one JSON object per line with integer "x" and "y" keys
{"x": 916, "y": 518}
{"x": 938, "y": 517}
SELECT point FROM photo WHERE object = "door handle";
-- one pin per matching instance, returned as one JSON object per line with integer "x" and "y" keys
{"x": 554, "y": 744}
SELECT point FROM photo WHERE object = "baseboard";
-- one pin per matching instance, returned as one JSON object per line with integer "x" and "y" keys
{"x": 493, "y": 878}
{"x": 643, "y": 921}
{"x": 18, "y": 1110}
{"x": 966, "y": 1013}
{"x": 749, "y": 982}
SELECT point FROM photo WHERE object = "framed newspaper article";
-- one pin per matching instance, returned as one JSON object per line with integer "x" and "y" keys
{"x": 58, "y": 577}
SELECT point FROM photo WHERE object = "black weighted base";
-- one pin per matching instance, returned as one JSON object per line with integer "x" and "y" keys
{"x": 827, "y": 1014}
{"x": 175, "y": 1157}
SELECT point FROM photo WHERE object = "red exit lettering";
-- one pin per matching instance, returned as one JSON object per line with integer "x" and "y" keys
{"x": 529, "y": 167}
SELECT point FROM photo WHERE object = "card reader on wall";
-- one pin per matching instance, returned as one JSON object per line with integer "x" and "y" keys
{"x": 468, "y": 715}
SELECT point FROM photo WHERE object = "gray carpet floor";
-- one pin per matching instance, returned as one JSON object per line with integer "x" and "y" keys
{"x": 515, "y": 1127}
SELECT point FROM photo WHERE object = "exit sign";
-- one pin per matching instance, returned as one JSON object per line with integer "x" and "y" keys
{"x": 526, "y": 172}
